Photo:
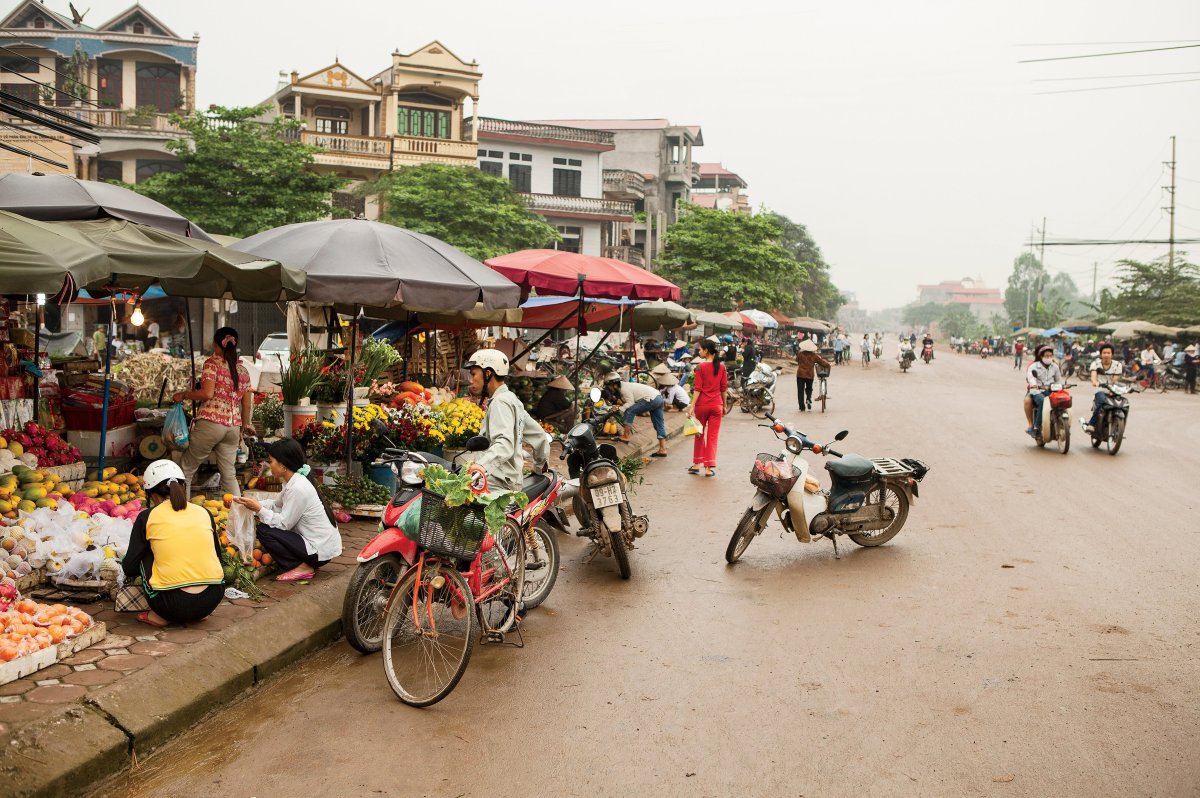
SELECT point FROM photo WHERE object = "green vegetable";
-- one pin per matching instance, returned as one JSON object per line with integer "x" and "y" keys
{"x": 456, "y": 488}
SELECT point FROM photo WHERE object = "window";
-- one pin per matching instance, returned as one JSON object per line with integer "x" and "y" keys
{"x": 39, "y": 22}
{"x": 108, "y": 82}
{"x": 567, "y": 182}
{"x": 572, "y": 239}
{"x": 526, "y": 157}
{"x": 573, "y": 162}
{"x": 139, "y": 27}
{"x": 521, "y": 177}
{"x": 495, "y": 154}
{"x": 147, "y": 169}
{"x": 481, "y": 153}
{"x": 345, "y": 200}
{"x": 61, "y": 97}
{"x": 26, "y": 91}
{"x": 158, "y": 85}
{"x": 424, "y": 123}
{"x": 492, "y": 168}
{"x": 562, "y": 161}
{"x": 10, "y": 63}
{"x": 110, "y": 170}
{"x": 331, "y": 119}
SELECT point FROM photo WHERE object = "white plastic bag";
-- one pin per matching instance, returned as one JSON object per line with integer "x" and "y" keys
{"x": 240, "y": 530}
{"x": 84, "y": 565}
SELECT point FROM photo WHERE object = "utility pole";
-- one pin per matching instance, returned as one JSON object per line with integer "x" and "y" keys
{"x": 1095, "y": 267}
{"x": 1171, "y": 211}
{"x": 1028, "y": 286}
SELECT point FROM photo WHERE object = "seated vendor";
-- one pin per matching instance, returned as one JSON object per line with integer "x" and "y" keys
{"x": 297, "y": 529}
{"x": 672, "y": 392}
{"x": 173, "y": 548}
{"x": 555, "y": 408}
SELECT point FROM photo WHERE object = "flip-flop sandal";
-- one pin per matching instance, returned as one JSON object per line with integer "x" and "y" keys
{"x": 659, "y": 454}
{"x": 693, "y": 470}
{"x": 295, "y": 577}
{"x": 144, "y": 617}
{"x": 712, "y": 472}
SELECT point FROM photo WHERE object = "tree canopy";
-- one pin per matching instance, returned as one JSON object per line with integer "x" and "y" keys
{"x": 1050, "y": 298}
{"x": 819, "y": 297}
{"x": 476, "y": 212}
{"x": 722, "y": 260}
{"x": 1156, "y": 292}
{"x": 239, "y": 177}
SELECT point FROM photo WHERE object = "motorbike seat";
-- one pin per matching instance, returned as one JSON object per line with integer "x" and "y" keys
{"x": 852, "y": 466}
{"x": 535, "y": 485}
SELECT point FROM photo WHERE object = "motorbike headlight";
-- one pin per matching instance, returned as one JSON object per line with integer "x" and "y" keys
{"x": 410, "y": 473}
{"x": 794, "y": 446}
{"x": 604, "y": 475}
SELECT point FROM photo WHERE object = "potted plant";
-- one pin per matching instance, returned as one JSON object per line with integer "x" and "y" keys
{"x": 377, "y": 357}
{"x": 297, "y": 383}
{"x": 330, "y": 395}
{"x": 268, "y": 416}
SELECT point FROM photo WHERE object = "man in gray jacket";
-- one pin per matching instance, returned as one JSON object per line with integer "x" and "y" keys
{"x": 506, "y": 424}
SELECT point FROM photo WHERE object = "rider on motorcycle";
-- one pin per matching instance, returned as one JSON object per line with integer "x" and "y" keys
{"x": 1104, "y": 370}
{"x": 506, "y": 424}
{"x": 1041, "y": 374}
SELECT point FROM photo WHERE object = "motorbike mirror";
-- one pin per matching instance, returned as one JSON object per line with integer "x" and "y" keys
{"x": 478, "y": 443}
{"x": 841, "y": 436}
{"x": 594, "y": 394}
{"x": 378, "y": 427}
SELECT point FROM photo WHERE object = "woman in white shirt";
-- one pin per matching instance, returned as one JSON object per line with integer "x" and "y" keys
{"x": 672, "y": 392}
{"x": 297, "y": 529}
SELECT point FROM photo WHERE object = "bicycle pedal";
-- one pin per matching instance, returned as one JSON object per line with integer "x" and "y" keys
{"x": 493, "y": 636}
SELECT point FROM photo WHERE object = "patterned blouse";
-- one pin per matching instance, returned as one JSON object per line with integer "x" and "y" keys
{"x": 225, "y": 407}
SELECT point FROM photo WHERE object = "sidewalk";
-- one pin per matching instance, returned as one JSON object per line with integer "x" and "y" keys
{"x": 69, "y": 726}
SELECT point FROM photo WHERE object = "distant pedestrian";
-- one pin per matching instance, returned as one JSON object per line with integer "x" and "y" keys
{"x": 839, "y": 347}
{"x": 1189, "y": 368}
{"x": 806, "y": 361}
{"x": 712, "y": 383}
{"x": 1018, "y": 354}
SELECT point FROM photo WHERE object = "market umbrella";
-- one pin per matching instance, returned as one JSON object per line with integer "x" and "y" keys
{"x": 1195, "y": 328}
{"x": 1078, "y": 325}
{"x": 764, "y": 320}
{"x": 718, "y": 321}
{"x": 355, "y": 263}
{"x": 550, "y": 271}
{"x": 649, "y": 317}
{"x": 41, "y": 258}
{"x": 54, "y": 198}
{"x": 1126, "y": 330}
{"x": 811, "y": 325}
{"x": 748, "y": 324}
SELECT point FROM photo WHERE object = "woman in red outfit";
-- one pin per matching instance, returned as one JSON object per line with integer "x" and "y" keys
{"x": 712, "y": 382}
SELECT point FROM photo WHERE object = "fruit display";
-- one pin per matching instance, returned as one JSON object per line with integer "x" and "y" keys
{"x": 51, "y": 450}
{"x": 116, "y": 495}
{"x": 66, "y": 543}
{"x": 353, "y": 491}
{"x": 28, "y": 626}
{"x": 26, "y": 489}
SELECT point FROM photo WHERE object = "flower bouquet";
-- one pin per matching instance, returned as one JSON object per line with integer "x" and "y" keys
{"x": 303, "y": 374}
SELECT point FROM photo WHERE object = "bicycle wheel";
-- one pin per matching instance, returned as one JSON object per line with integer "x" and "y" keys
{"x": 503, "y": 566}
{"x": 541, "y": 566}
{"x": 729, "y": 402}
{"x": 1116, "y": 433}
{"x": 895, "y": 501}
{"x": 429, "y": 633}
{"x": 824, "y": 392}
{"x": 1160, "y": 382}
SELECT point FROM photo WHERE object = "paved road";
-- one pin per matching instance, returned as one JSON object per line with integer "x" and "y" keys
{"x": 1032, "y": 631}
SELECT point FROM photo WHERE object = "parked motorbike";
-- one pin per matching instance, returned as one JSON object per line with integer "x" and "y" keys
{"x": 927, "y": 353}
{"x": 1174, "y": 378}
{"x": 1056, "y": 418}
{"x": 758, "y": 394}
{"x": 1114, "y": 412}
{"x": 867, "y": 499}
{"x": 602, "y": 505}
{"x": 388, "y": 555}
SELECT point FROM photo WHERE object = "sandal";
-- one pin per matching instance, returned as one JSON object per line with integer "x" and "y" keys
{"x": 712, "y": 472}
{"x": 296, "y": 577}
{"x": 144, "y": 617}
{"x": 694, "y": 470}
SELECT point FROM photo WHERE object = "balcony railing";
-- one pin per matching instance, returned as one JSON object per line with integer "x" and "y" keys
{"x": 624, "y": 181}
{"x": 407, "y": 149}
{"x": 358, "y": 146}
{"x": 627, "y": 254}
{"x": 554, "y": 203}
{"x": 540, "y": 131}
{"x": 684, "y": 173}
{"x": 126, "y": 119}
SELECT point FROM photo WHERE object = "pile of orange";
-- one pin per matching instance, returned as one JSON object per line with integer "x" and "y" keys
{"x": 30, "y": 626}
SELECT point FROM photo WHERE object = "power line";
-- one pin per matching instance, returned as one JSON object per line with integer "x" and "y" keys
{"x": 1100, "y": 243}
{"x": 33, "y": 60}
{"x": 1126, "y": 86}
{"x": 1103, "y": 55}
{"x": 1102, "y": 77}
{"x": 1101, "y": 44}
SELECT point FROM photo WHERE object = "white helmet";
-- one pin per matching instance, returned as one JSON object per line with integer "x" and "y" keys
{"x": 161, "y": 471}
{"x": 492, "y": 359}
{"x": 611, "y": 377}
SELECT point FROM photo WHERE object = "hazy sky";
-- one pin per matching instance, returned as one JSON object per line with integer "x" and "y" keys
{"x": 904, "y": 135}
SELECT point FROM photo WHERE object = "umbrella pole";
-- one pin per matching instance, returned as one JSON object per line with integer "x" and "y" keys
{"x": 108, "y": 351}
{"x": 191, "y": 353}
{"x": 350, "y": 393}
{"x": 37, "y": 345}
{"x": 578, "y": 343}
{"x": 407, "y": 342}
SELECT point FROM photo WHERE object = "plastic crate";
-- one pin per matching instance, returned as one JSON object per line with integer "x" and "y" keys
{"x": 90, "y": 419}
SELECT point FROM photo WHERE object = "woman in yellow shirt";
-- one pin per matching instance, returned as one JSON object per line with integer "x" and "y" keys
{"x": 173, "y": 547}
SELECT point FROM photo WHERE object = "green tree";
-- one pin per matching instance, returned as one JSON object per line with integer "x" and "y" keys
{"x": 819, "y": 297}
{"x": 476, "y": 212}
{"x": 1027, "y": 276}
{"x": 923, "y": 315}
{"x": 239, "y": 177}
{"x": 1158, "y": 293}
{"x": 722, "y": 260}
{"x": 959, "y": 322}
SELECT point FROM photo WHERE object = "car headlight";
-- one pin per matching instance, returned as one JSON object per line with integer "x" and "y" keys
{"x": 410, "y": 473}
{"x": 602, "y": 476}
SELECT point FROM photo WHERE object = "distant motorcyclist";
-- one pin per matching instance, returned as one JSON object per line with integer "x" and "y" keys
{"x": 1041, "y": 374}
{"x": 1105, "y": 370}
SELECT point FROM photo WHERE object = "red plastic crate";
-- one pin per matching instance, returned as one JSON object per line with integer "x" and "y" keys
{"x": 88, "y": 419}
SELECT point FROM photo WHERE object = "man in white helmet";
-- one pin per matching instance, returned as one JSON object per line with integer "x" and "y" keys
{"x": 506, "y": 424}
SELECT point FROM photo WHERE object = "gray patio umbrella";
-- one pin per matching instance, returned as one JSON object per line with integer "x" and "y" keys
{"x": 60, "y": 198}
{"x": 389, "y": 271}
{"x": 648, "y": 317}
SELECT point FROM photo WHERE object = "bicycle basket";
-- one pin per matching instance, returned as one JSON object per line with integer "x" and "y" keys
{"x": 454, "y": 532}
{"x": 822, "y": 371}
{"x": 773, "y": 476}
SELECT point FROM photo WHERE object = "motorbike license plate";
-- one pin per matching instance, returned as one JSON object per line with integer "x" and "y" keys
{"x": 607, "y": 495}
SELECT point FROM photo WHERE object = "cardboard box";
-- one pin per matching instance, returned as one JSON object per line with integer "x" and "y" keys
{"x": 119, "y": 438}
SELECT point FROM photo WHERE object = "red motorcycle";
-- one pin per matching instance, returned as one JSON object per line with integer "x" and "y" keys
{"x": 392, "y": 552}
{"x": 927, "y": 353}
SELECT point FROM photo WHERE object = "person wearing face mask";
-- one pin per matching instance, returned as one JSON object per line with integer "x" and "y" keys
{"x": 1041, "y": 374}
{"x": 1105, "y": 369}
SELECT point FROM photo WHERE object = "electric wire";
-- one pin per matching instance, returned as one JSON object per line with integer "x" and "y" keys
{"x": 1104, "y": 55}
{"x": 1104, "y": 77}
{"x": 33, "y": 60}
{"x": 1125, "y": 86}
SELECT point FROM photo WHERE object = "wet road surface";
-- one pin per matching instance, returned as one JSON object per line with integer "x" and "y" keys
{"x": 1032, "y": 631}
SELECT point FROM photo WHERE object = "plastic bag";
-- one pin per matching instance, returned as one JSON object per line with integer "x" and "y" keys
{"x": 84, "y": 565}
{"x": 692, "y": 427}
{"x": 240, "y": 530}
{"x": 175, "y": 427}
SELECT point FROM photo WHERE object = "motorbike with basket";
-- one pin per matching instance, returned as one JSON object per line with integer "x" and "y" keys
{"x": 907, "y": 358}
{"x": 1114, "y": 412}
{"x": 1056, "y": 418}
{"x": 868, "y": 499}
{"x": 758, "y": 393}
{"x": 394, "y": 549}
{"x": 601, "y": 496}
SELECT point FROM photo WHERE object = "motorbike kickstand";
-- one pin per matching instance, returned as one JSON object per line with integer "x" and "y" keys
{"x": 837, "y": 555}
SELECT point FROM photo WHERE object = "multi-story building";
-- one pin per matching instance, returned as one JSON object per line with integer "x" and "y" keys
{"x": 652, "y": 158}
{"x": 558, "y": 171}
{"x": 720, "y": 188}
{"x": 983, "y": 302}
{"x": 410, "y": 113}
{"x": 125, "y": 76}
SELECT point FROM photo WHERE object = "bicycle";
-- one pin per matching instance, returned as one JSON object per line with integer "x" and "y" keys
{"x": 823, "y": 385}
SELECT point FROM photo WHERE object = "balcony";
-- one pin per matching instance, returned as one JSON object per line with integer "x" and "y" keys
{"x": 688, "y": 174}
{"x": 407, "y": 151}
{"x": 114, "y": 118}
{"x": 580, "y": 207}
{"x": 628, "y": 254}
{"x": 533, "y": 130}
{"x": 363, "y": 152}
{"x": 625, "y": 184}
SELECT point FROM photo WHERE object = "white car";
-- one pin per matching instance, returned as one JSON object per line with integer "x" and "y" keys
{"x": 271, "y": 360}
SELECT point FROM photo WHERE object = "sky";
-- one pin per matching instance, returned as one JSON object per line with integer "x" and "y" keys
{"x": 905, "y": 136}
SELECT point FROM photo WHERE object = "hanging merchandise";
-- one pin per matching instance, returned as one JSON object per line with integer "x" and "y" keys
{"x": 175, "y": 427}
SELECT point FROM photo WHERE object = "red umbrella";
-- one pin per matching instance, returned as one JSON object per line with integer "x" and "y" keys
{"x": 550, "y": 271}
{"x": 748, "y": 324}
